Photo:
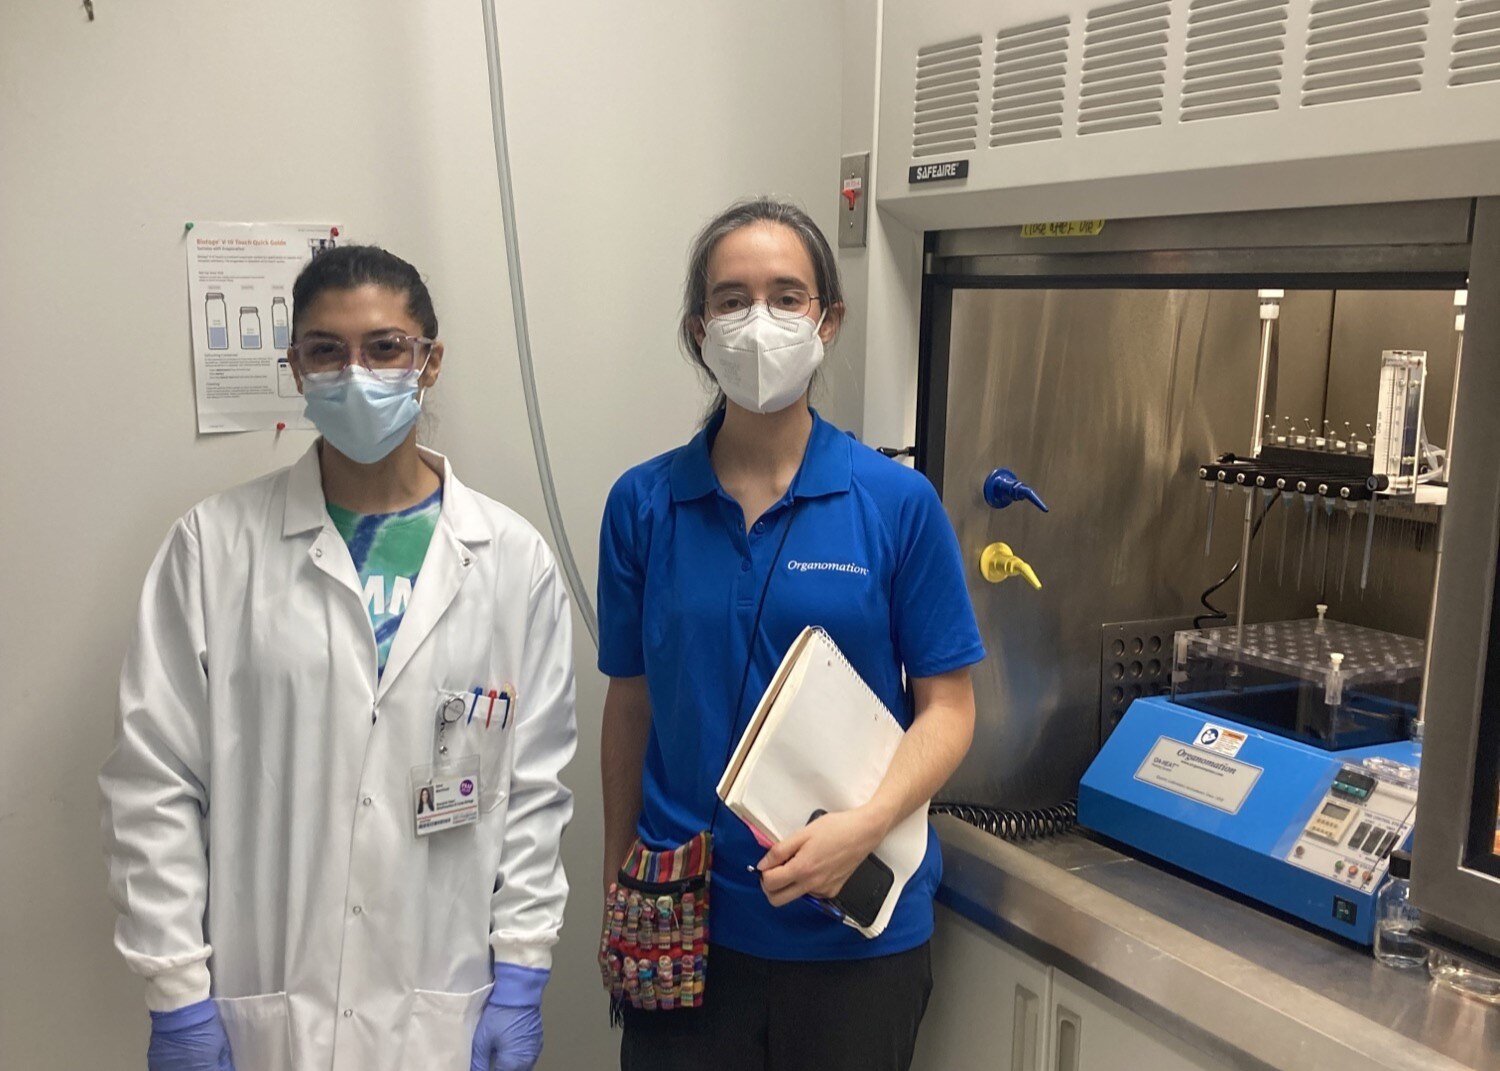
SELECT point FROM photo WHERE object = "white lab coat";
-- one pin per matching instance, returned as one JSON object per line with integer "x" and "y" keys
{"x": 258, "y": 812}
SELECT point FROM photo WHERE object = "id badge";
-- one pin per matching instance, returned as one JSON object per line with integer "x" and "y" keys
{"x": 445, "y": 796}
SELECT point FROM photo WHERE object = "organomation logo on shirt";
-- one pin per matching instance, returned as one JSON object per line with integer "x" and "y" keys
{"x": 794, "y": 566}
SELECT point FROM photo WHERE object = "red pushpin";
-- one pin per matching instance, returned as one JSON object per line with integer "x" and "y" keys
{"x": 333, "y": 232}
{"x": 280, "y": 426}
{"x": 491, "y": 712}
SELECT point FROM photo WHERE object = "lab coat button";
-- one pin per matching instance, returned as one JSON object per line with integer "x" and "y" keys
{"x": 745, "y": 566}
{"x": 317, "y": 552}
{"x": 367, "y": 801}
{"x": 348, "y": 1013}
{"x": 358, "y": 910}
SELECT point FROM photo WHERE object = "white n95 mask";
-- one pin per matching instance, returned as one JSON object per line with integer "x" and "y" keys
{"x": 762, "y": 363}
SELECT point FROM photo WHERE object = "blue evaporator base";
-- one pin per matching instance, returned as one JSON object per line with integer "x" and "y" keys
{"x": 1243, "y": 849}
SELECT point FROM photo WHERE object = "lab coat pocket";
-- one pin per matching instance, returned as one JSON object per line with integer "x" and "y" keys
{"x": 442, "y": 1028}
{"x": 495, "y": 785}
{"x": 259, "y": 1031}
{"x": 479, "y": 728}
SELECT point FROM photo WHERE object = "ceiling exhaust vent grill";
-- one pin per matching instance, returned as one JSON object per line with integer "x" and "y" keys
{"x": 1359, "y": 49}
{"x": 1031, "y": 66}
{"x": 946, "y": 116}
{"x": 1476, "y": 43}
{"x": 1124, "y": 66}
{"x": 1234, "y": 57}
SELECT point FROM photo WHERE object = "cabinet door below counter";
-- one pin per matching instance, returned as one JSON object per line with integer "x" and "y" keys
{"x": 1086, "y": 1031}
{"x": 989, "y": 1006}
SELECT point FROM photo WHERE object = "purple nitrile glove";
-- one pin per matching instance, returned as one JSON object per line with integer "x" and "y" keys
{"x": 189, "y": 1039}
{"x": 509, "y": 1037}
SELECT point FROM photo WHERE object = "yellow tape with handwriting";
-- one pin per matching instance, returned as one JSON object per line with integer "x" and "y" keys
{"x": 1072, "y": 228}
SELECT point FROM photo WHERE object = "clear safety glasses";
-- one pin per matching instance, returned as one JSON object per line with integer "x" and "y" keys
{"x": 385, "y": 353}
{"x": 783, "y": 303}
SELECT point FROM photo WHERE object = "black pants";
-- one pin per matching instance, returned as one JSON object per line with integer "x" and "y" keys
{"x": 770, "y": 1015}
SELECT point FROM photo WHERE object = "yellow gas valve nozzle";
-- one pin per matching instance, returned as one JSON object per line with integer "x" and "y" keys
{"x": 999, "y": 562}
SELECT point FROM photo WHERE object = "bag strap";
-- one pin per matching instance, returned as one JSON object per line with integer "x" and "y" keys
{"x": 739, "y": 703}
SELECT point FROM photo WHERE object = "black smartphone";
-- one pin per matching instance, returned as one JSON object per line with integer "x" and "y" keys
{"x": 866, "y": 889}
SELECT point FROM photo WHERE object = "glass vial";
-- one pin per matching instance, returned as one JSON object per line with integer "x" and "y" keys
{"x": 286, "y": 383}
{"x": 281, "y": 324}
{"x": 1395, "y": 917}
{"x": 217, "y": 314}
{"x": 1470, "y": 979}
{"x": 249, "y": 327}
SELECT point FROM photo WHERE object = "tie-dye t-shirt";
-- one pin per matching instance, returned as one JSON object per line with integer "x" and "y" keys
{"x": 388, "y": 549}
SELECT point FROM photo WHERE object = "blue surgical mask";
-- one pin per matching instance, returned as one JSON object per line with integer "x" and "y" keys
{"x": 363, "y": 414}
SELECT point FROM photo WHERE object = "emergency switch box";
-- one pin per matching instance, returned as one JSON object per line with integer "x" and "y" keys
{"x": 854, "y": 200}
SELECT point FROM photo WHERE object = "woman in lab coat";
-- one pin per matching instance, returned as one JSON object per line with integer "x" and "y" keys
{"x": 713, "y": 558}
{"x": 317, "y": 651}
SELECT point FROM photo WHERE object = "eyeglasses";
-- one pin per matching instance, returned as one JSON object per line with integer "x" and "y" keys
{"x": 784, "y": 303}
{"x": 386, "y": 353}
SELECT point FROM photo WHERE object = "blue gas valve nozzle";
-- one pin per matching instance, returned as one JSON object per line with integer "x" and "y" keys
{"x": 1002, "y": 487}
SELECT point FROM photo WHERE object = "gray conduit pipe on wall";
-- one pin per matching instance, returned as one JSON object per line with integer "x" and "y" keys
{"x": 523, "y": 334}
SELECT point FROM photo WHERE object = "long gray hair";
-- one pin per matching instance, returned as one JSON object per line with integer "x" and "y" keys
{"x": 742, "y": 214}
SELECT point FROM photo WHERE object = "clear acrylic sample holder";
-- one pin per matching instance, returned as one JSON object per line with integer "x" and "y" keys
{"x": 1329, "y": 684}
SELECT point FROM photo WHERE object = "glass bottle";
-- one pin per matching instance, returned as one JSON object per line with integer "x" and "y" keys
{"x": 218, "y": 321}
{"x": 1470, "y": 979}
{"x": 1395, "y": 916}
{"x": 286, "y": 382}
{"x": 281, "y": 328}
{"x": 249, "y": 327}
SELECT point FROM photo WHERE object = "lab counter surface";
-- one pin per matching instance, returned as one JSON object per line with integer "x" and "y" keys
{"x": 1247, "y": 988}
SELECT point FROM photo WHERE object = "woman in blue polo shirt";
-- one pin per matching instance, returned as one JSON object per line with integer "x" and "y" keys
{"x": 713, "y": 558}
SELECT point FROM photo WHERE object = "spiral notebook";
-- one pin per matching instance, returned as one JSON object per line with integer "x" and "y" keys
{"x": 821, "y": 740}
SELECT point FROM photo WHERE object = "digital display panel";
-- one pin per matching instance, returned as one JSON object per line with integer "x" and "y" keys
{"x": 1334, "y": 811}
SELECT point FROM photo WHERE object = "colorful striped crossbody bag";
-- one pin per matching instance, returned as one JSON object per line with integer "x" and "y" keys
{"x": 653, "y": 952}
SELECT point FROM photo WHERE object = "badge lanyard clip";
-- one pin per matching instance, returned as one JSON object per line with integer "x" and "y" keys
{"x": 451, "y": 710}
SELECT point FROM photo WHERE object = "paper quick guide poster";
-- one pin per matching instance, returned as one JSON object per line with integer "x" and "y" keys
{"x": 240, "y": 279}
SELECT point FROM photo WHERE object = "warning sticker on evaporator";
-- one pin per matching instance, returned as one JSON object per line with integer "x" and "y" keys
{"x": 1220, "y": 738}
{"x": 1200, "y": 775}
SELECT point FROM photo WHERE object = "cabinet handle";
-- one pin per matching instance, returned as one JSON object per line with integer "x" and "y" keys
{"x": 1069, "y": 1040}
{"x": 1023, "y": 1035}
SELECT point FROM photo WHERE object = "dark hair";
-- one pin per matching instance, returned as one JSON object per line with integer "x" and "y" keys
{"x": 742, "y": 214}
{"x": 346, "y": 267}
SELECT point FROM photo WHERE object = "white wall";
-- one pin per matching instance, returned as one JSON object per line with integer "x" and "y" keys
{"x": 630, "y": 125}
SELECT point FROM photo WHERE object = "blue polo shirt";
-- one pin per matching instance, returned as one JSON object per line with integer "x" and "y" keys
{"x": 870, "y": 556}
